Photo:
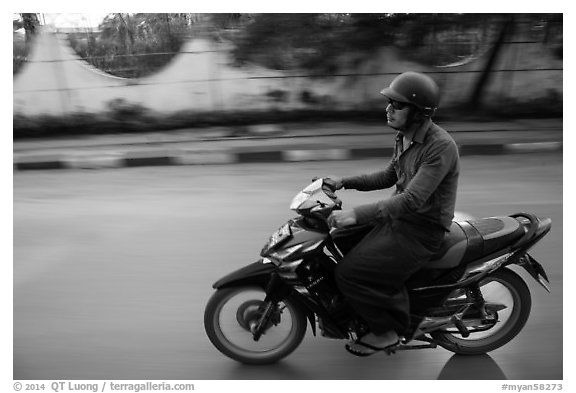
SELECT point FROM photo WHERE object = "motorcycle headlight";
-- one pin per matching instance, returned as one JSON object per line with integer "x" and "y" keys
{"x": 282, "y": 235}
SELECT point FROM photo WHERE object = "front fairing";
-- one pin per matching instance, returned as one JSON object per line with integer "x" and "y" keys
{"x": 313, "y": 198}
{"x": 302, "y": 241}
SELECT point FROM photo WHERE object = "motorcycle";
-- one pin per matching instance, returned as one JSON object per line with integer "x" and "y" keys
{"x": 466, "y": 299}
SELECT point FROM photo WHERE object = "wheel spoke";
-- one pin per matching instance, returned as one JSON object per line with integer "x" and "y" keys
{"x": 238, "y": 309}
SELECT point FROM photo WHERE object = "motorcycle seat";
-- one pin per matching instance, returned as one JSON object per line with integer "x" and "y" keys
{"x": 474, "y": 239}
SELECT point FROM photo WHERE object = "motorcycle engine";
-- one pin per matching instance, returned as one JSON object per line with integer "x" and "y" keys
{"x": 317, "y": 275}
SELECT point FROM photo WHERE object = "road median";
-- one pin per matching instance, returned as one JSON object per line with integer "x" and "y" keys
{"x": 298, "y": 143}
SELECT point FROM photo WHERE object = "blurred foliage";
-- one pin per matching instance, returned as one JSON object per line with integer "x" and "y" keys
{"x": 135, "y": 45}
{"x": 132, "y": 45}
{"x": 125, "y": 117}
{"x": 316, "y": 42}
{"x": 48, "y": 126}
{"x": 20, "y": 54}
{"x": 22, "y": 42}
{"x": 119, "y": 108}
{"x": 30, "y": 23}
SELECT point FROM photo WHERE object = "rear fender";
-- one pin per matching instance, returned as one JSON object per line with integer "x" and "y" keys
{"x": 535, "y": 269}
{"x": 256, "y": 273}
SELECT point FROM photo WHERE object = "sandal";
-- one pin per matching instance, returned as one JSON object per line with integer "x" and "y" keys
{"x": 389, "y": 349}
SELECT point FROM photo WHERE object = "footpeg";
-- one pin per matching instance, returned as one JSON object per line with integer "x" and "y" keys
{"x": 406, "y": 345}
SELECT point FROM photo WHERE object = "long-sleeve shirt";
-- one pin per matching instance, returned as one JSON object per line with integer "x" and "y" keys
{"x": 426, "y": 179}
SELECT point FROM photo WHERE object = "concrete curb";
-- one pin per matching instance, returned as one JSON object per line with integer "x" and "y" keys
{"x": 102, "y": 160}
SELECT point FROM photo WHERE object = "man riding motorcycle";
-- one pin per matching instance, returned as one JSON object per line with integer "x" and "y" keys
{"x": 407, "y": 228}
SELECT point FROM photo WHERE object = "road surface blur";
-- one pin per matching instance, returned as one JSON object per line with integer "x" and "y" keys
{"x": 113, "y": 268}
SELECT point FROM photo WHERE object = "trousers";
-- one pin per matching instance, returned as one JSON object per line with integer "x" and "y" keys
{"x": 372, "y": 275}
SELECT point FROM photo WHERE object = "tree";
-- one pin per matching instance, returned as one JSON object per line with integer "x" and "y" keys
{"x": 21, "y": 45}
{"x": 30, "y": 22}
{"x": 133, "y": 45}
{"x": 316, "y": 41}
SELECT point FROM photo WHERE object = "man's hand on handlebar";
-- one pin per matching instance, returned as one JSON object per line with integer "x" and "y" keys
{"x": 342, "y": 218}
{"x": 333, "y": 182}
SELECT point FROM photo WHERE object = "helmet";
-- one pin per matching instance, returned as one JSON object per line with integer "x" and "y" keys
{"x": 415, "y": 88}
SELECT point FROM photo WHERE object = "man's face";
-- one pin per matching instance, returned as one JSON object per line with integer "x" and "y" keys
{"x": 397, "y": 114}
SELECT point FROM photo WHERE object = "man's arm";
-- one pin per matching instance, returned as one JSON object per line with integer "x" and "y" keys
{"x": 374, "y": 181}
{"x": 436, "y": 164}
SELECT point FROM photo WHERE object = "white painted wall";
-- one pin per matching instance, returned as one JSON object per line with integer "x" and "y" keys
{"x": 56, "y": 81}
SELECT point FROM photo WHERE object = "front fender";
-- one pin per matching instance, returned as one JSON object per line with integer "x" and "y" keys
{"x": 256, "y": 273}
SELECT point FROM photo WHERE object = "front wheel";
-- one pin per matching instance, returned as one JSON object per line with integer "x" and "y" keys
{"x": 510, "y": 293}
{"x": 231, "y": 314}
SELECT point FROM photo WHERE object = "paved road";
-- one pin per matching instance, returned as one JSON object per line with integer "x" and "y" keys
{"x": 112, "y": 269}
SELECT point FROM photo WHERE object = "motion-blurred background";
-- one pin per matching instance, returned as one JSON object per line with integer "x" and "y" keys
{"x": 113, "y": 264}
{"x": 135, "y": 72}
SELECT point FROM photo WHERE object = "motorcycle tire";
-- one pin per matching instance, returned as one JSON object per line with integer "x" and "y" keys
{"x": 232, "y": 337}
{"x": 522, "y": 303}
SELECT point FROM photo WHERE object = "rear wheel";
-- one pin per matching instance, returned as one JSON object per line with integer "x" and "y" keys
{"x": 232, "y": 313}
{"x": 502, "y": 288}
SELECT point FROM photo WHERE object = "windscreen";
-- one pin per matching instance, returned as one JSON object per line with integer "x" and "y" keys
{"x": 310, "y": 197}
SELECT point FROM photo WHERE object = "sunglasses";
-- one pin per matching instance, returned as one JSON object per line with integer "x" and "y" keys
{"x": 397, "y": 105}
